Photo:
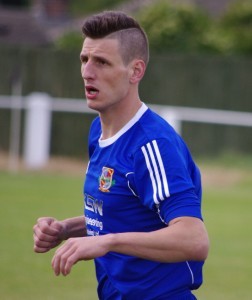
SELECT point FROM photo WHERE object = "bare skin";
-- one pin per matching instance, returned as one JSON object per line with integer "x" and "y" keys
{"x": 112, "y": 89}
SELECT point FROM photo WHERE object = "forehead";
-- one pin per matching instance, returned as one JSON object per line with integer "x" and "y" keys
{"x": 102, "y": 47}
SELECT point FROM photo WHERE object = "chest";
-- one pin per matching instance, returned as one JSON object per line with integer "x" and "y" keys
{"x": 108, "y": 176}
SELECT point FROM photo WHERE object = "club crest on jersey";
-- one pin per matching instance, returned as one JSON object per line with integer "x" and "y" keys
{"x": 106, "y": 179}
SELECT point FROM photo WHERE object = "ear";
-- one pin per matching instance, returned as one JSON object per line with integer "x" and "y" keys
{"x": 137, "y": 70}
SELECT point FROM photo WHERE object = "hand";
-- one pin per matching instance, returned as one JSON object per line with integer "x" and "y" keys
{"x": 76, "y": 249}
{"x": 48, "y": 233}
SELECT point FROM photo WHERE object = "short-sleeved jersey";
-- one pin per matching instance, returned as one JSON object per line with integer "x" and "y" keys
{"x": 138, "y": 181}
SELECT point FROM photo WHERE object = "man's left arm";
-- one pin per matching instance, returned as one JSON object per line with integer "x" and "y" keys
{"x": 184, "y": 239}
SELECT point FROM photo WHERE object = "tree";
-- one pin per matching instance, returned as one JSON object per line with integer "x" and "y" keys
{"x": 180, "y": 28}
{"x": 236, "y": 23}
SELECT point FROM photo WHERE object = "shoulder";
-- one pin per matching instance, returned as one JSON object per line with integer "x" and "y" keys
{"x": 156, "y": 139}
{"x": 152, "y": 127}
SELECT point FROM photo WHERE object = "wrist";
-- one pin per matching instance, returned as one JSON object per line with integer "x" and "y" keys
{"x": 110, "y": 241}
{"x": 64, "y": 233}
{"x": 73, "y": 227}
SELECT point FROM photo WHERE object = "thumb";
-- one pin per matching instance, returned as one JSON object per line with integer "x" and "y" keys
{"x": 61, "y": 228}
{"x": 49, "y": 226}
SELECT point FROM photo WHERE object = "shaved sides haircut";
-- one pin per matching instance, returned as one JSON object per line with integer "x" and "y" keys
{"x": 133, "y": 42}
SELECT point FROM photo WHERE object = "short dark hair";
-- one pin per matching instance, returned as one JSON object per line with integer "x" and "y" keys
{"x": 132, "y": 39}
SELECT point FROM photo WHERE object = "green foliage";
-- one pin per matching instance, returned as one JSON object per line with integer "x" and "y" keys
{"x": 70, "y": 41}
{"x": 237, "y": 24}
{"x": 216, "y": 40}
{"x": 187, "y": 29}
{"x": 180, "y": 28}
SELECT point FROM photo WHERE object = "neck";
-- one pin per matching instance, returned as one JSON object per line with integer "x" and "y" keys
{"x": 117, "y": 117}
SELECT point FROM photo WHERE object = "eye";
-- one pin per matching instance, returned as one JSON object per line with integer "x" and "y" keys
{"x": 83, "y": 59}
{"x": 102, "y": 62}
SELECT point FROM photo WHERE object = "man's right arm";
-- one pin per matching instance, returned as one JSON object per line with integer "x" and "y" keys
{"x": 49, "y": 232}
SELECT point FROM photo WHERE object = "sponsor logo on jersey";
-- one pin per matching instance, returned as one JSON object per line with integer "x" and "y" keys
{"x": 106, "y": 179}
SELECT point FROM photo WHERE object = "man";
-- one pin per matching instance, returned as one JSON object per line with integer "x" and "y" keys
{"x": 142, "y": 193}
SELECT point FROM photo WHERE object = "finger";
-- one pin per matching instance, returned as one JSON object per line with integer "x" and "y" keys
{"x": 57, "y": 225}
{"x": 56, "y": 261}
{"x": 47, "y": 229}
{"x": 44, "y": 238}
{"x": 61, "y": 230}
{"x": 44, "y": 244}
{"x": 67, "y": 260}
{"x": 61, "y": 250}
{"x": 44, "y": 233}
{"x": 40, "y": 249}
{"x": 71, "y": 260}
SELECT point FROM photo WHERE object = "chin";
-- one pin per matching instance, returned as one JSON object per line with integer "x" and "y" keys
{"x": 92, "y": 105}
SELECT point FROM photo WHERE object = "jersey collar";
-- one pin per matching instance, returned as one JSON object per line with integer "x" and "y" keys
{"x": 126, "y": 127}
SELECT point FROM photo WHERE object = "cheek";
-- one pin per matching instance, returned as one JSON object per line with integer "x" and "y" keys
{"x": 120, "y": 82}
{"x": 115, "y": 83}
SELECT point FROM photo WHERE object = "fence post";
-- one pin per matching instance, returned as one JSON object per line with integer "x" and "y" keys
{"x": 171, "y": 116}
{"x": 37, "y": 130}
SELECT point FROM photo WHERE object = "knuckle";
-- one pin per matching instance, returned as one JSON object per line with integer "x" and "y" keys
{"x": 70, "y": 261}
{"x": 42, "y": 236}
{"x": 63, "y": 259}
{"x": 35, "y": 239}
{"x": 43, "y": 227}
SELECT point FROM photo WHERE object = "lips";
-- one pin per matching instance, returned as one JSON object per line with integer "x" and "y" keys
{"x": 91, "y": 92}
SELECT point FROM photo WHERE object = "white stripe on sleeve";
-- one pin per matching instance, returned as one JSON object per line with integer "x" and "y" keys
{"x": 156, "y": 169}
{"x": 161, "y": 165}
{"x": 154, "y": 186}
{"x": 154, "y": 163}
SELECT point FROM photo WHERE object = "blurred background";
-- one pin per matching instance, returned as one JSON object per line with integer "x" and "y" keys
{"x": 201, "y": 56}
{"x": 200, "y": 71}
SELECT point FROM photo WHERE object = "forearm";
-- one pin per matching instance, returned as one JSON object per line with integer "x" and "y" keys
{"x": 181, "y": 241}
{"x": 74, "y": 227}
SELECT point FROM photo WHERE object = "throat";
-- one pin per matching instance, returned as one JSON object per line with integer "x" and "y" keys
{"x": 108, "y": 133}
{"x": 112, "y": 125}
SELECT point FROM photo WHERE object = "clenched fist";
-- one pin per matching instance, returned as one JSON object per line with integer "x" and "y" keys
{"x": 48, "y": 233}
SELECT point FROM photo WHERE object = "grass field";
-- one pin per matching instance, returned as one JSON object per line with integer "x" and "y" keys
{"x": 25, "y": 196}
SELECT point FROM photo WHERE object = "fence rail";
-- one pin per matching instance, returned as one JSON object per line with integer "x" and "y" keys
{"x": 39, "y": 108}
{"x": 189, "y": 114}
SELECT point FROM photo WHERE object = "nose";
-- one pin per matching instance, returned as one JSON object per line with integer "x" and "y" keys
{"x": 87, "y": 71}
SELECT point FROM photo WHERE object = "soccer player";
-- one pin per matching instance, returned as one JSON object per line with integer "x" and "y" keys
{"x": 142, "y": 222}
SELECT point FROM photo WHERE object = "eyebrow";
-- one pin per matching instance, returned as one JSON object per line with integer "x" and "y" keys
{"x": 95, "y": 57}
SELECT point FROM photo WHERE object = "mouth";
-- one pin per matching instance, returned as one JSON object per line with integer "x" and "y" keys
{"x": 91, "y": 92}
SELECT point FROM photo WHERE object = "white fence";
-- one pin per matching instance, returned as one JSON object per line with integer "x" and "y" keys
{"x": 39, "y": 107}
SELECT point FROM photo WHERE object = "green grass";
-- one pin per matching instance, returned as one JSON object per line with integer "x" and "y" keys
{"x": 26, "y": 275}
{"x": 228, "y": 269}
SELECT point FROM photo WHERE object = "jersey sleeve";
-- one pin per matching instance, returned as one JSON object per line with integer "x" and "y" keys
{"x": 163, "y": 181}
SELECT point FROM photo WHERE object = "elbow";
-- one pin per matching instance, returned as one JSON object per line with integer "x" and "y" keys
{"x": 201, "y": 249}
{"x": 201, "y": 244}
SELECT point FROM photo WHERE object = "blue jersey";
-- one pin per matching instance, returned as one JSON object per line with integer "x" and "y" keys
{"x": 138, "y": 181}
